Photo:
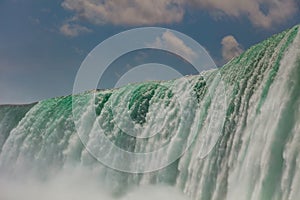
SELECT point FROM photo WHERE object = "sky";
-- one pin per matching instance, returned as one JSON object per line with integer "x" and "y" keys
{"x": 43, "y": 43}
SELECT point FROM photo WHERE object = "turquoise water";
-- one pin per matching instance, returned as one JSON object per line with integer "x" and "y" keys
{"x": 241, "y": 122}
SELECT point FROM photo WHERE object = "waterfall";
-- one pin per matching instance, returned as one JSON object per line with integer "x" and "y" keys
{"x": 230, "y": 133}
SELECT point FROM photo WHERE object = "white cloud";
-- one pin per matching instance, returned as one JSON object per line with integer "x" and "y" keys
{"x": 230, "y": 48}
{"x": 262, "y": 13}
{"x": 73, "y": 30}
{"x": 170, "y": 41}
{"x": 128, "y": 12}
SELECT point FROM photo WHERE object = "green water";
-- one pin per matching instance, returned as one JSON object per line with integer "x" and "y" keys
{"x": 241, "y": 122}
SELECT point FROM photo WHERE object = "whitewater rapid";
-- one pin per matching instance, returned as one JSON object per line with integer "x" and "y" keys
{"x": 231, "y": 133}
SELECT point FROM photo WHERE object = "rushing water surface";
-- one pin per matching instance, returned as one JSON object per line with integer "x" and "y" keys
{"x": 240, "y": 122}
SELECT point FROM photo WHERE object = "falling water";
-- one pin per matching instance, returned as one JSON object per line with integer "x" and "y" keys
{"x": 231, "y": 133}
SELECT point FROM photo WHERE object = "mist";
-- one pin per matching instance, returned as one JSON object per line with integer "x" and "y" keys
{"x": 78, "y": 185}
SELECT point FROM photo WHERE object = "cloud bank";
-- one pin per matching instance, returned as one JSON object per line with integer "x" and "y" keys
{"x": 127, "y": 12}
{"x": 261, "y": 13}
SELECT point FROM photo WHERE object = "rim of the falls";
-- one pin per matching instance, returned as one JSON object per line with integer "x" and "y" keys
{"x": 256, "y": 157}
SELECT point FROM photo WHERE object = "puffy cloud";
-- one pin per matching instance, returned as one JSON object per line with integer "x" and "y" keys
{"x": 128, "y": 12}
{"x": 230, "y": 48}
{"x": 170, "y": 41}
{"x": 262, "y": 13}
{"x": 73, "y": 30}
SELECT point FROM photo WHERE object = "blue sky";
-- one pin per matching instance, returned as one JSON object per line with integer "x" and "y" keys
{"x": 43, "y": 43}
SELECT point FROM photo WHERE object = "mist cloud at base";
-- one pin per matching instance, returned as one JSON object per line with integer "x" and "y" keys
{"x": 79, "y": 186}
